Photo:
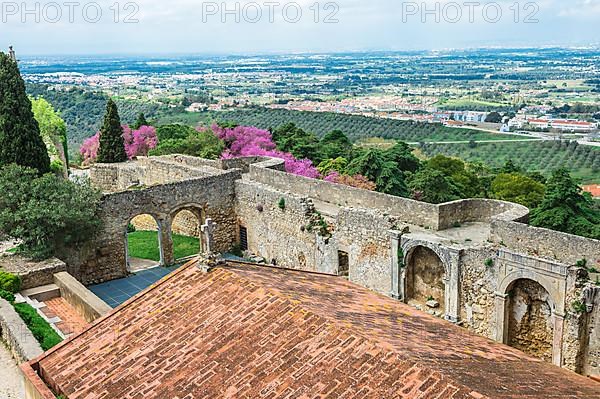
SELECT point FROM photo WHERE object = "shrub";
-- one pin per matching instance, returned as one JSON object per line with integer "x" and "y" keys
{"x": 7, "y": 296}
{"x": 281, "y": 204}
{"x": 41, "y": 330}
{"x": 10, "y": 282}
{"x": 489, "y": 262}
{"x": 131, "y": 228}
{"x": 46, "y": 213}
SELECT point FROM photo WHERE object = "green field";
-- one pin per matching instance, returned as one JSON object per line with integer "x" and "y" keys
{"x": 542, "y": 156}
{"x": 354, "y": 126}
{"x": 144, "y": 245}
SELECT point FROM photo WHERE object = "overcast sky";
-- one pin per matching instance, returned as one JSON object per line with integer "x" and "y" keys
{"x": 196, "y": 26}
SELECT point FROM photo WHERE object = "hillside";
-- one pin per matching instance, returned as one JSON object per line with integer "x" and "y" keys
{"x": 354, "y": 126}
{"x": 542, "y": 156}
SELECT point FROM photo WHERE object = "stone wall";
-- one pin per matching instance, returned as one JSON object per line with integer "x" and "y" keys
{"x": 283, "y": 236}
{"x": 436, "y": 217}
{"x": 477, "y": 286}
{"x": 479, "y": 210}
{"x": 365, "y": 235}
{"x": 80, "y": 298}
{"x": 16, "y": 335}
{"x": 591, "y": 357}
{"x": 147, "y": 172}
{"x": 278, "y": 235}
{"x": 409, "y": 211}
{"x": 565, "y": 248}
{"x": 104, "y": 257}
{"x": 33, "y": 273}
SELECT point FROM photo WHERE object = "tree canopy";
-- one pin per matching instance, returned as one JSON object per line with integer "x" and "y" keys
{"x": 20, "y": 138}
{"x": 53, "y": 130}
{"x": 375, "y": 166}
{"x": 518, "y": 188}
{"x": 46, "y": 212}
{"x": 565, "y": 208}
{"x": 433, "y": 186}
{"x": 112, "y": 144}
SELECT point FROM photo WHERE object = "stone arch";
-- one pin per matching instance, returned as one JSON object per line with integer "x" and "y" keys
{"x": 532, "y": 288}
{"x": 529, "y": 318}
{"x": 426, "y": 276}
{"x": 158, "y": 224}
{"x": 558, "y": 301}
{"x": 409, "y": 246}
{"x": 187, "y": 219}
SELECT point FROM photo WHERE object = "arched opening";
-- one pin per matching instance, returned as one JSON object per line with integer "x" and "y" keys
{"x": 142, "y": 243}
{"x": 186, "y": 232}
{"x": 425, "y": 275}
{"x": 530, "y": 320}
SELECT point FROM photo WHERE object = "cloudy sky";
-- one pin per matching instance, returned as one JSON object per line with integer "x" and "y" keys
{"x": 269, "y": 26}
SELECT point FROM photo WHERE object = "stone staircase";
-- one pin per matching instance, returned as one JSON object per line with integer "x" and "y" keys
{"x": 35, "y": 298}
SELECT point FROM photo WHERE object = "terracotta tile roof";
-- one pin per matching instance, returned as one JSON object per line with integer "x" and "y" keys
{"x": 71, "y": 321}
{"x": 249, "y": 332}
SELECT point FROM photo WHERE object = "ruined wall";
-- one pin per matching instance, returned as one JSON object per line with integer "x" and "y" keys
{"x": 147, "y": 172}
{"x": 408, "y": 211}
{"x": 565, "y": 248}
{"x": 477, "y": 286}
{"x": 364, "y": 235}
{"x": 530, "y": 323}
{"x": 479, "y": 210}
{"x": 591, "y": 357}
{"x": 425, "y": 275}
{"x": 284, "y": 235}
{"x": 103, "y": 258}
{"x": 275, "y": 233}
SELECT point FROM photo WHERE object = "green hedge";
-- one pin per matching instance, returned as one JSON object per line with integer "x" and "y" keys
{"x": 9, "y": 282}
{"x": 7, "y": 295}
{"x": 41, "y": 330}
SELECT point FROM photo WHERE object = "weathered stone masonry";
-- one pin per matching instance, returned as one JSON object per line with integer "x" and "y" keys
{"x": 493, "y": 273}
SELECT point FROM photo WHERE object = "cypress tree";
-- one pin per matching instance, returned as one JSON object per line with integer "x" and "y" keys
{"x": 141, "y": 121}
{"x": 20, "y": 139}
{"x": 112, "y": 145}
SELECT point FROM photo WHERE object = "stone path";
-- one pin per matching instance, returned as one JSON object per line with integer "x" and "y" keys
{"x": 11, "y": 382}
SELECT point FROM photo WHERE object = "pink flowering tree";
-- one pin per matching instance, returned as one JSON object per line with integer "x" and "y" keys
{"x": 137, "y": 143}
{"x": 250, "y": 141}
{"x": 89, "y": 149}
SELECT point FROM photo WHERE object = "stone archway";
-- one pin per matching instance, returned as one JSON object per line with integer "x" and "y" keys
{"x": 425, "y": 278}
{"x": 530, "y": 319}
{"x": 186, "y": 220}
{"x": 147, "y": 250}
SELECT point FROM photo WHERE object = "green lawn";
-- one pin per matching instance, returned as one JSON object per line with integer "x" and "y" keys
{"x": 144, "y": 245}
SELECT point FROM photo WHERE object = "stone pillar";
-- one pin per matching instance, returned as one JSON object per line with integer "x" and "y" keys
{"x": 398, "y": 285}
{"x": 167, "y": 256}
{"x": 559, "y": 322}
{"x": 501, "y": 318}
{"x": 452, "y": 289}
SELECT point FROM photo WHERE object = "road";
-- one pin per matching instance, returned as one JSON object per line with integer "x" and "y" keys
{"x": 11, "y": 381}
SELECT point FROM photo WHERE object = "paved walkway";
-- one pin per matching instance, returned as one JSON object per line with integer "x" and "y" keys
{"x": 11, "y": 382}
{"x": 115, "y": 292}
{"x": 71, "y": 321}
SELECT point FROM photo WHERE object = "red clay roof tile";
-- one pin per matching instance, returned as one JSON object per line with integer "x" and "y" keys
{"x": 252, "y": 332}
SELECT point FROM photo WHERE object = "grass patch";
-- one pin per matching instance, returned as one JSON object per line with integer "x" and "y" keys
{"x": 144, "y": 245}
{"x": 39, "y": 327}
